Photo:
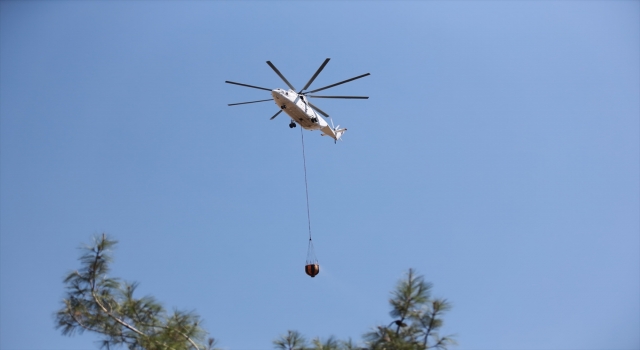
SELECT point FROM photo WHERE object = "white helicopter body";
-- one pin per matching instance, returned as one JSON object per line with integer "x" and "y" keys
{"x": 298, "y": 109}
{"x": 296, "y": 104}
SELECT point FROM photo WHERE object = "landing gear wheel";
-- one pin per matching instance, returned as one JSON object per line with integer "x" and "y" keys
{"x": 314, "y": 119}
{"x": 292, "y": 125}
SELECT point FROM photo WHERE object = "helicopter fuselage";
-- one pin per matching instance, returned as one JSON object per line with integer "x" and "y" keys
{"x": 297, "y": 108}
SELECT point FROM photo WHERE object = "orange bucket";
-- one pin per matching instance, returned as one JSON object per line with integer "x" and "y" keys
{"x": 312, "y": 269}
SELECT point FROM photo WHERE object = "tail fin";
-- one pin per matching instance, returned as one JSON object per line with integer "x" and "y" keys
{"x": 339, "y": 132}
{"x": 335, "y": 133}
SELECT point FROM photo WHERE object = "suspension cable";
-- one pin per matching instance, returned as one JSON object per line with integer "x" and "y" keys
{"x": 306, "y": 186}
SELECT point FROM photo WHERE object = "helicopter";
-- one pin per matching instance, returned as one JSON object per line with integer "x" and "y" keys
{"x": 299, "y": 108}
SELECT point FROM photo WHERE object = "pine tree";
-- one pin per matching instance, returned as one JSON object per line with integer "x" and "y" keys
{"x": 292, "y": 341}
{"x": 418, "y": 318}
{"x": 106, "y": 306}
{"x": 330, "y": 343}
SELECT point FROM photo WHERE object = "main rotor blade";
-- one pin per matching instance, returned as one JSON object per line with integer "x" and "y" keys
{"x": 251, "y": 86}
{"x": 318, "y": 109}
{"x": 356, "y": 97}
{"x": 275, "y": 115}
{"x": 280, "y": 75}
{"x": 316, "y": 74}
{"x": 244, "y": 103}
{"x": 342, "y": 82}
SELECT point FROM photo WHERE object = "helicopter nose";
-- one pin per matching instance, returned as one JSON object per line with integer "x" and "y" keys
{"x": 279, "y": 94}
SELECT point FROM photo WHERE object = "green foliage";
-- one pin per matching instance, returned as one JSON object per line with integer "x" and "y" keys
{"x": 292, "y": 341}
{"x": 105, "y": 305}
{"x": 410, "y": 293}
{"x": 330, "y": 343}
{"x": 418, "y": 318}
{"x": 349, "y": 345}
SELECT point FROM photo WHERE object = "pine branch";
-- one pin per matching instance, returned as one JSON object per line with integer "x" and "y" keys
{"x": 105, "y": 306}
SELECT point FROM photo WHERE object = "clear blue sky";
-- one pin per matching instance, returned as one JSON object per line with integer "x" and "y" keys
{"x": 498, "y": 155}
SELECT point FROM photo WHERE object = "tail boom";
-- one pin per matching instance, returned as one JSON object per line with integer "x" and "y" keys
{"x": 335, "y": 133}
